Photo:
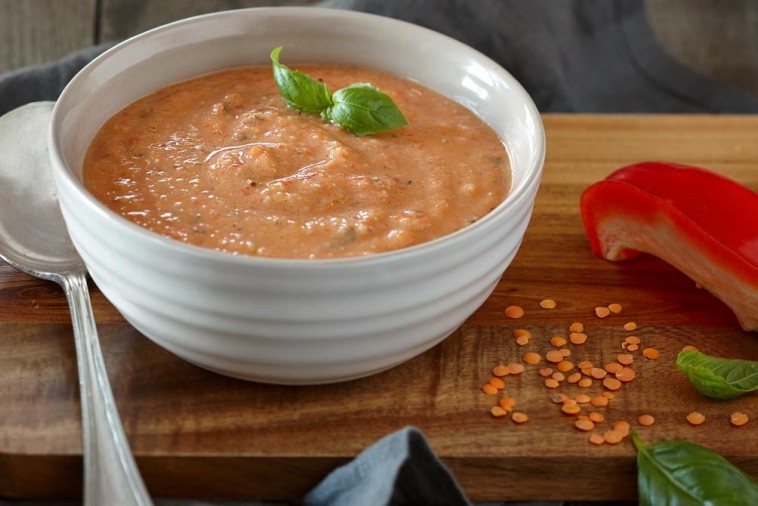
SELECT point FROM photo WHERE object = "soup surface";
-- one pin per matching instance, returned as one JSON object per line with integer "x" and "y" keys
{"x": 222, "y": 162}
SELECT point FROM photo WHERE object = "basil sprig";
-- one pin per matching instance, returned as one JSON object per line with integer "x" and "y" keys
{"x": 360, "y": 108}
{"x": 718, "y": 378}
{"x": 681, "y": 473}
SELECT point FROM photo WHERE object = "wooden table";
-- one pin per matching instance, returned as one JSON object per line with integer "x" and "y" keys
{"x": 199, "y": 435}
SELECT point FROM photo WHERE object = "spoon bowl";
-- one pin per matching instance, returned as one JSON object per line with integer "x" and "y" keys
{"x": 34, "y": 239}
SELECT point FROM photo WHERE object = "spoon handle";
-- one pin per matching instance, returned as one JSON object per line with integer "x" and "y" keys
{"x": 110, "y": 473}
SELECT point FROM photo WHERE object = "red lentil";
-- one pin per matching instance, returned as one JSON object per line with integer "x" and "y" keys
{"x": 651, "y": 353}
{"x": 519, "y": 417}
{"x": 602, "y": 312}
{"x": 548, "y": 304}
{"x": 738, "y": 419}
{"x": 696, "y": 418}
{"x": 514, "y": 312}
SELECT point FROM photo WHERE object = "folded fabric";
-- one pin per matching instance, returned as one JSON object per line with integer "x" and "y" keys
{"x": 572, "y": 56}
{"x": 43, "y": 82}
{"x": 399, "y": 469}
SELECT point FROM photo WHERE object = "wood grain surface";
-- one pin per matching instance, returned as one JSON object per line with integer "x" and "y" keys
{"x": 200, "y": 435}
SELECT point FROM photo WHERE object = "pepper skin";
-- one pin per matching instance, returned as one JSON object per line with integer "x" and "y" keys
{"x": 702, "y": 223}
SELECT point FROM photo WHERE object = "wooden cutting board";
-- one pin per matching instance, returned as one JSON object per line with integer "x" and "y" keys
{"x": 200, "y": 435}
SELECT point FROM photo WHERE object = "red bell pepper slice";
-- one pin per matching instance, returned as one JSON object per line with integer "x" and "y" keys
{"x": 700, "y": 222}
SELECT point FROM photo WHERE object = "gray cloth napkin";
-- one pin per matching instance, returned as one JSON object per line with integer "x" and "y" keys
{"x": 571, "y": 56}
{"x": 399, "y": 469}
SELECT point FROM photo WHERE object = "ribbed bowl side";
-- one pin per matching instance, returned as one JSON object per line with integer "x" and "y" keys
{"x": 294, "y": 321}
{"x": 355, "y": 331}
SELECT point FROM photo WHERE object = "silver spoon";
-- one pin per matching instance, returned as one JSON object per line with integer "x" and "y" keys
{"x": 34, "y": 239}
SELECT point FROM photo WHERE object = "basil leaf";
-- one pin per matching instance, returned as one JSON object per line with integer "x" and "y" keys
{"x": 298, "y": 90}
{"x": 360, "y": 108}
{"x": 719, "y": 378}
{"x": 363, "y": 109}
{"x": 681, "y": 473}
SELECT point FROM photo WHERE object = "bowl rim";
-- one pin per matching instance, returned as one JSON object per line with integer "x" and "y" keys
{"x": 431, "y": 247}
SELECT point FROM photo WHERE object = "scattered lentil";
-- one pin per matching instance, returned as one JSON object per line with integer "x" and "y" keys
{"x": 497, "y": 411}
{"x": 738, "y": 419}
{"x": 531, "y": 358}
{"x": 497, "y": 382}
{"x": 611, "y": 383}
{"x": 571, "y": 408}
{"x": 516, "y": 368}
{"x": 578, "y": 337}
{"x": 613, "y": 367}
{"x": 584, "y": 382}
{"x": 522, "y": 340}
{"x": 612, "y": 437}
{"x": 558, "y": 398}
{"x": 514, "y": 312}
{"x": 596, "y": 439}
{"x": 696, "y": 418}
{"x": 598, "y": 373}
{"x": 519, "y": 417}
{"x": 613, "y": 375}
{"x": 554, "y": 356}
{"x": 548, "y": 304}
{"x": 625, "y": 358}
{"x": 552, "y": 383}
{"x": 602, "y": 312}
{"x": 651, "y": 353}
{"x": 545, "y": 372}
{"x": 558, "y": 341}
{"x": 564, "y": 365}
{"x": 501, "y": 370}
{"x": 625, "y": 374}
{"x": 622, "y": 427}
{"x": 599, "y": 401}
{"x": 489, "y": 389}
{"x": 507, "y": 403}
{"x": 576, "y": 327}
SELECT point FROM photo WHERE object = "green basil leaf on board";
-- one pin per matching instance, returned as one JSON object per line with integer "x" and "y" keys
{"x": 364, "y": 109}
{"x": 718, "y": 378}
{"x": 678, "y": 473}
{"x": 359, "y": 108}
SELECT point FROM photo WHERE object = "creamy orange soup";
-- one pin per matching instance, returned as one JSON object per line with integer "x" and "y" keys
{"x": 221, "y": 162}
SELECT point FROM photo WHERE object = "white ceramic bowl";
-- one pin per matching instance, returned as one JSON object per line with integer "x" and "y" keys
{"x": 279, "y": 320}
